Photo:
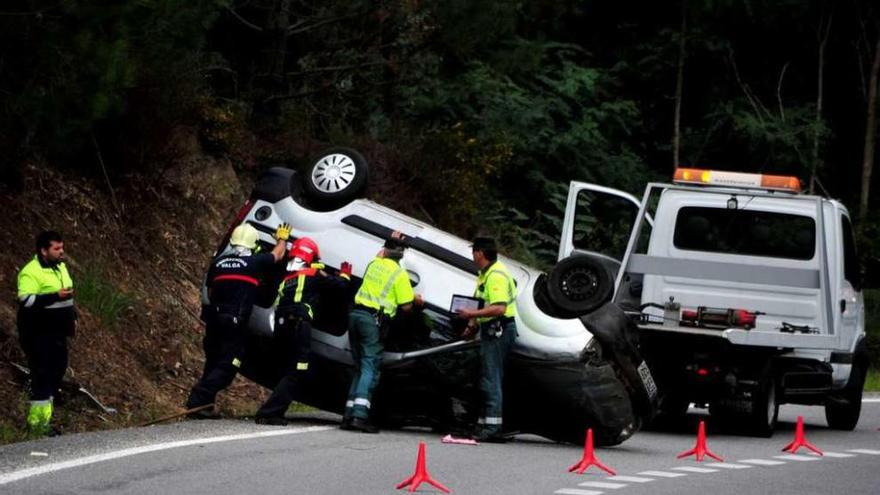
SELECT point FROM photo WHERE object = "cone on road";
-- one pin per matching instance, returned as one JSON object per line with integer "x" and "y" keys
{"x": 800, "y": 440}
{"x": 589, "y": 458}
{"x": 700, "y": 450}
{"x": 421, "y": 475}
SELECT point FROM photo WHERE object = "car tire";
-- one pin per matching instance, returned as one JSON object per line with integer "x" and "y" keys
{"x": 335, "y": 177}
{"x": 843, "y": 408}
{"x": 579, "y": 284}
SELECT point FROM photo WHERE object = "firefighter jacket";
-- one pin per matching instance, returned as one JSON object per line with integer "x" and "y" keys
{"x": 39, "y": 306}
{"x": 233, "y": 281}
{"x": 300, "y": 292}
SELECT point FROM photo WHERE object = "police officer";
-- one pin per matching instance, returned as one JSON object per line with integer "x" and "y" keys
{"x": 232, "y": 282}
{"x": 298, "y": 295}
{"x": 46, "y": 318}
{"x": 385, "y": 289}
{"x": 497, "y": 329}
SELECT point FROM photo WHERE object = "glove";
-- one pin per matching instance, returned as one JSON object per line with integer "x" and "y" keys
{"x": 282, "y": 233}
{"x": 345, "y": 269}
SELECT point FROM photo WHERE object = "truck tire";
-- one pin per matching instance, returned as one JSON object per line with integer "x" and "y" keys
{"x": 843, "y": 408}
{"x": 764, "y": 412}
{"x": 335, "y": 177}
{"x": 579, "y": 284}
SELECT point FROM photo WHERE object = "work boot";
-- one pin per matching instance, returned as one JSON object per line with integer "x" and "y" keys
{"x": 488, "y": 436}
{"x": 271, "y": 420}
{"x": 346, "y": 424}
{"x": 363, "y": 425}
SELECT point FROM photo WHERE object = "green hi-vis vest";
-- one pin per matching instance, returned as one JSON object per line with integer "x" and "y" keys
{"x": 496, "y": 286}
{"x": 386, "y": 286}
{"x": 35, "y": 280}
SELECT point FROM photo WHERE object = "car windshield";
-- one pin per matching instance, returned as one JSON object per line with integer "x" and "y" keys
{"x": 745, "y": 232}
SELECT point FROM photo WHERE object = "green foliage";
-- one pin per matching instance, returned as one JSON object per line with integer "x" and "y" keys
{"x": 100, "y": 297}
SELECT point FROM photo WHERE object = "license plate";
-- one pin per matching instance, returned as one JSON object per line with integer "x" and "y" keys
{"x": 648, "y": 380}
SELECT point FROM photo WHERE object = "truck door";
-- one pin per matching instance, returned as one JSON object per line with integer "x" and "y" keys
{"x": 598, "y": 221}
{"x": 850, "y": 305}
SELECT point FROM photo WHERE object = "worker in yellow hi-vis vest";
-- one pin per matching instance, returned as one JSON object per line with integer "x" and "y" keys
{"x": 497, "y": 326}
{"x": 385, "y": 289}
{"x": 46, "y": 318}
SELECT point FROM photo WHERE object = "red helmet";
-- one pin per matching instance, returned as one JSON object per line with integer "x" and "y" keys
{"x": 305, "y": 249}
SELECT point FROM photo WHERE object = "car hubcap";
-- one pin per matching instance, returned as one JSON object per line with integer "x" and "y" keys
{"x": 333, "y": 173}
{"x": 579, "y": 284}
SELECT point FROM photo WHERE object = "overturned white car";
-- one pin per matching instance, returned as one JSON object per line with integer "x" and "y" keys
{"x": 576, "y": 363}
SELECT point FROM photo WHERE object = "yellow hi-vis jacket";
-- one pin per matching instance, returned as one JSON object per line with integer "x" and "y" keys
{"x": 385, "y": 287}
{"x": 496, "y": 286}
{"x": 38, "y": 301}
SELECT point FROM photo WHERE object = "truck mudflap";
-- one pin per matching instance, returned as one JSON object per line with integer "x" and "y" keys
{"x": 561, "y": 399}
{"x": 619, "y": 337}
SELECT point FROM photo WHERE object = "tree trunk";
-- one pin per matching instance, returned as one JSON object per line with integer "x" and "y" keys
{"x": 870, "y": 133}
{"x": 282, "y": 28}
{"x": 820, "y": 89}
{"x": 679, "y": 85}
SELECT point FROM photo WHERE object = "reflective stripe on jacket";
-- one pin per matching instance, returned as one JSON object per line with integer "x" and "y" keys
{"x": 496, "y": 286}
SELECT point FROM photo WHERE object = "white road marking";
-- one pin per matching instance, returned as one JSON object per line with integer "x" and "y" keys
{"x": 761, "y": 462}
{"x": 662, "y": 474}
{"x": 632, "y": 479}
{"x": 602, "y": 484}
{"x": 865, "y": 451}
{"x": 837, "y": 454}
{"x": 118, "y": 454}
{"x": 796, "y": 457}
{"x": 728, "y": 465}
{"x": 870, "y": 400}
{"x": 575, "y": 491}
{"x": 693, "y": 469}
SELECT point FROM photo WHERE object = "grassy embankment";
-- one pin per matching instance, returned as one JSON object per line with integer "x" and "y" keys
{"x": 872, "y": 327}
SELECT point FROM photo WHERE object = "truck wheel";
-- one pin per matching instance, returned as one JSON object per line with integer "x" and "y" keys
{"x": 764, "y": 409}
{"x": 579, "y": 284}
{"x": 334, "y": 177}
{"x": 842, "y": 409}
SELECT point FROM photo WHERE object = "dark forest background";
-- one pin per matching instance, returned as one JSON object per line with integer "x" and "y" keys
{"x": 495, "y": 103}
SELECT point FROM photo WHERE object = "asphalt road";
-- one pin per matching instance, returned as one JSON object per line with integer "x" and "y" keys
{"x": 314, "y": 457}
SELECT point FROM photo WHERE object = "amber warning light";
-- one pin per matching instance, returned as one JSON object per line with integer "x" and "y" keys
{"x": 736, "y": 179}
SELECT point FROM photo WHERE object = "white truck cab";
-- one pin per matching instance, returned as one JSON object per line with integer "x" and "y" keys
{"x": 746, "y": 293}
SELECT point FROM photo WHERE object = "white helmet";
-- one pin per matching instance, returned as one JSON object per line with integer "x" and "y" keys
{"x": 245, "y": 235}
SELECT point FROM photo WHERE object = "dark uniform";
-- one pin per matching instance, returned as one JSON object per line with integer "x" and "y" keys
{"x": 232, "y": 286}
{"x": 45, "y": 320}
{"x": 298, "y": 295}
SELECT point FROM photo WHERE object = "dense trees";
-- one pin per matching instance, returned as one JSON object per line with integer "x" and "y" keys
{"x": 504, "y": 100}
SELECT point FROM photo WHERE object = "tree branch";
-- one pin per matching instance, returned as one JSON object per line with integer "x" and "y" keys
{"x": 243, "y": 20}
{"x": 779, "y": 91}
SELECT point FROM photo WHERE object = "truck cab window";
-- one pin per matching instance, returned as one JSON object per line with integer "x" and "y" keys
{"x": 850, "y": 257}
{"x": 745, "y": 232}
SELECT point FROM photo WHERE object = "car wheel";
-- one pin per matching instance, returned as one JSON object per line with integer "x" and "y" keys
{"x": 335, "y": 176}
{"x": 842, "y": 409}
{"x": 579, "y": 284}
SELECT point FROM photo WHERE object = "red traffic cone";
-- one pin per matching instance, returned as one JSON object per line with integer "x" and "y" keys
{"x": 421, "y": 475}
{"x": 800, "y": 440}
{"x": 700, "y": 450}
{"x": 589, "y": 458}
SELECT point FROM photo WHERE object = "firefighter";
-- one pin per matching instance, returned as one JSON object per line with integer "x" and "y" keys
{"x": 298, "y": 296}
{"x": 232, "y": 283}
{"x": 46, "y": 318}
{"x": 385, "y": 289}
{"x": 497, "y": 329}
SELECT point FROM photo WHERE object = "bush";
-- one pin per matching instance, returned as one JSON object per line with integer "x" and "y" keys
{"x": 100, "y": 297}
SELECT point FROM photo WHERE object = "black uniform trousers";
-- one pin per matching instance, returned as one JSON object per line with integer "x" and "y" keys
{"x": 224, "y": 346}
{"x": 46, "y": 352}
{"x": 293, "y": 338}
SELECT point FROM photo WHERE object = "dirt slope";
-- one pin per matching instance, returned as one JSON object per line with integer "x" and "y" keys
{"x": 136, "y": 273}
